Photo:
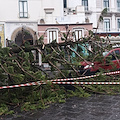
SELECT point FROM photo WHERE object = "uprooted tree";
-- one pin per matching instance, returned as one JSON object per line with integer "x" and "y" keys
{"x": 17, "y": 66}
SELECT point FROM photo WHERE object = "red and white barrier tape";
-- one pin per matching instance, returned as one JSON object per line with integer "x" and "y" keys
{"x": 88, "y": 83}
{"x": 22, "y": 85}
{"x": 64, "y": 83}
{"x": 80, "y": 83}
{"x": 85, "y": 77}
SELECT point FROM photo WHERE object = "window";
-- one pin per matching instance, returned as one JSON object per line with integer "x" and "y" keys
{"x": 107, "y": 24}
{"x": 65, "y": 3}
{"x": 118, "y": 24}
{"x": 117, "y": 54}
{"x": 118, "y": 5}
{"x": 23, "y": 9}
{"x": 52, "y": 35}
{"x": 78, "y": 33}
{"x": 106, "y": 3}
{"x": 113, "y": 56}
{"x": 85, "y": 4}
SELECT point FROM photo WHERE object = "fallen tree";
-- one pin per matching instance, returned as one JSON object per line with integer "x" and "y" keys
{"x": 17, "y": 67}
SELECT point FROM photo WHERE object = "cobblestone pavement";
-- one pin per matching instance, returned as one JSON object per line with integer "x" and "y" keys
{"x": 96, "y": 107}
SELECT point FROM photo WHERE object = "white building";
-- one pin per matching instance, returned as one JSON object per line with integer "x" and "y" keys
{"x": 24, "y": 15}
{"x": 18, "y": 16}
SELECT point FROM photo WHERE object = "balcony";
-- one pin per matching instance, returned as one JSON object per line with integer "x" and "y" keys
{"x": 87, "y": 10}
{"x": 113, "y": 30}
{"x": 76, "y": 10}
{"x": 69, "y": 11}
{"x": 118, "y": 9}
{"x": 71, "y": 19}
{"x": 114, "y": 10}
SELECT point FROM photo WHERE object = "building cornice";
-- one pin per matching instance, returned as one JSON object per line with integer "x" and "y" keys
{"x": 21, "y": 22}
{"x": 64, "y": 24}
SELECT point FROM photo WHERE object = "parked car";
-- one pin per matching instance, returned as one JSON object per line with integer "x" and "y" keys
{"x": 110, "y": 61}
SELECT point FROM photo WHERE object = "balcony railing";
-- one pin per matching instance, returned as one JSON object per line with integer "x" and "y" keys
{"x": 118, "y": 9}
{"x": 108, "y": 30}
{"x": 86, "y": 8}
{"x": 69, "y": 11}
{"x": 115, "y": 9}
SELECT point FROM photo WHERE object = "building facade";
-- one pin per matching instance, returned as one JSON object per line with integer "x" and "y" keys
{"x": 26, "y": 16}
{"x": 110, "y": 27}
{"x": 30, "y": 16}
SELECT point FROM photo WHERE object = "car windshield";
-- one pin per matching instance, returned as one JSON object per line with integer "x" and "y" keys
{"x": 105, "y": 53}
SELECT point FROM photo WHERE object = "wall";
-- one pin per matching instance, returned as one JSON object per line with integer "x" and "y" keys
{"x": 42, "y": 29}
{"x": 73, "y": 3}
{"x": 9, "y": 14}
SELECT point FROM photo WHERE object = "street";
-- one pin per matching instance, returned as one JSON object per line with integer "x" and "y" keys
{"x": 96, "y": 107}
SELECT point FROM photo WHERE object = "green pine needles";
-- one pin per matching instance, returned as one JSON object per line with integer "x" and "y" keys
{"x": 18, "y": 66}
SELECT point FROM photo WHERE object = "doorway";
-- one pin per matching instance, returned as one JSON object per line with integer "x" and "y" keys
{"x": 22, "y": 37}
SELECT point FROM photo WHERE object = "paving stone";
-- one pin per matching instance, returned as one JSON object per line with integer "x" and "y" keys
{"x": 96, "y": 107}
{"x": 114, "y": 117}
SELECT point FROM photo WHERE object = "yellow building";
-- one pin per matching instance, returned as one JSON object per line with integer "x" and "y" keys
{"x": 2, "y": 34}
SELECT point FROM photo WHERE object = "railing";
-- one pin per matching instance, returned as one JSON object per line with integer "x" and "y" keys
{"x": 86, "y": 8}
{"x": 118, "y": 9}
{"x": 115, "y": 9}
{"x": 108, "y": 30}
{"x": 70, "y": 10}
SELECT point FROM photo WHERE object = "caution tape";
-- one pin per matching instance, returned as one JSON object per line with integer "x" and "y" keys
{"x": 63, "y": 83}
{"x": 59, "y": 81}
{"x": 88, "y": 83}
{"x": 22, "y": 85}
{"x": 86, "y": 77}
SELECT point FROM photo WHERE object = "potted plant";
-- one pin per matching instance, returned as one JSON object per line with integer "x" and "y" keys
{"x": 74, "y": 12}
